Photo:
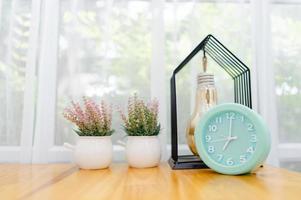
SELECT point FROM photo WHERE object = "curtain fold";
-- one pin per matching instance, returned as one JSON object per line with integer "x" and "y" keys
{"x": 264, "y": 84}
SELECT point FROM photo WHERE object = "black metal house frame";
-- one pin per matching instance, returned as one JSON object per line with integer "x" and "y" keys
{"x": 238, "y": 71}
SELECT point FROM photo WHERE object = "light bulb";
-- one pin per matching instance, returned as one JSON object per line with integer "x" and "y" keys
{"x": 205, "y": 98}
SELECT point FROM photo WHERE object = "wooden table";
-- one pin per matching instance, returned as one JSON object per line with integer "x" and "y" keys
{"x": 66, "y": 181}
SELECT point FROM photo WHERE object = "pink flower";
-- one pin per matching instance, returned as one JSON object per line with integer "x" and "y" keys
{"x": 91, "y": 119}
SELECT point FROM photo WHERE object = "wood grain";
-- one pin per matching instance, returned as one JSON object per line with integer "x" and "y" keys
{"x": 66, "y": 181}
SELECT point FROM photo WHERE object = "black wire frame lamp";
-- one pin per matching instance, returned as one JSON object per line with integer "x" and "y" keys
{"x": 234, "y": 67}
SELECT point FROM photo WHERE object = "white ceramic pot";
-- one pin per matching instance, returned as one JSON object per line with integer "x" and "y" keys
{"x": 92, "y": 152}
{"x": 143, "y": 151}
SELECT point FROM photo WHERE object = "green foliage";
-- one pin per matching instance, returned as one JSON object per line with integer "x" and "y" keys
{"x": 94, "y": 132}
{"x": 142, "y": 119}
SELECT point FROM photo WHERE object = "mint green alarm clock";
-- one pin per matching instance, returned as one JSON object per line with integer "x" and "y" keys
{"x": 232, "y": 139}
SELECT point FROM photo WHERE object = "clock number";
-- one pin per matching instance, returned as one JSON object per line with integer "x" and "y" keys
{"x": 242, "y": 118}
{"x": 230, "y": 115}
{"x": 242, "y": 158}
{"x": 218, "y": 120}
{"x": 230, "y": 161}
{"x": 211, "y": 149}
{"x": 250, "y": 150}
{"x": 220, "y": 157}
{"x": 208, "y": 138}
{"x": 253, "y": 138}
{"x": 212, "y": 128}
{"x": 250, "y": 127}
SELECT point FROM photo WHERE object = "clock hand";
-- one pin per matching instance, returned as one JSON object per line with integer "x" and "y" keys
{"x": 223, "y": 139}
{"x": 233, "y": 137}
{"x": 230, "y": 128}
{"x": 226, "y": 144}
{"x": 229, "y": 138}
{"x": 228, "y": 141}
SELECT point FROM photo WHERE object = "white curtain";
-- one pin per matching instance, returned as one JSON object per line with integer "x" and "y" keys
{"x": 14, "y": 35}
{"x": 53, "y": 51}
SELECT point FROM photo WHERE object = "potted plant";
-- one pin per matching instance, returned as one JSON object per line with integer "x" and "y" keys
{"x": 142, "y": 128}
{"x": 93, "y": 149}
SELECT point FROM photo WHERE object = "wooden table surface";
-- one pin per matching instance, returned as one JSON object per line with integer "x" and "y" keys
{"x": 66, "y": 181}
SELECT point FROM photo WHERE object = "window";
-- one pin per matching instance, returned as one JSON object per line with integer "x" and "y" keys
{"x": 52, "y": 51}
{"x": 286, "y": 49}
{"x": 104, "y": 53}
{"x": 187, "y": 23}
{"x": 285, "y": 27}
{"x": 15, "y": 23}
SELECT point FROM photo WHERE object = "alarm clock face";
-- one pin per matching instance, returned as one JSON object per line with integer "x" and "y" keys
{"x": 232, "y": 139}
